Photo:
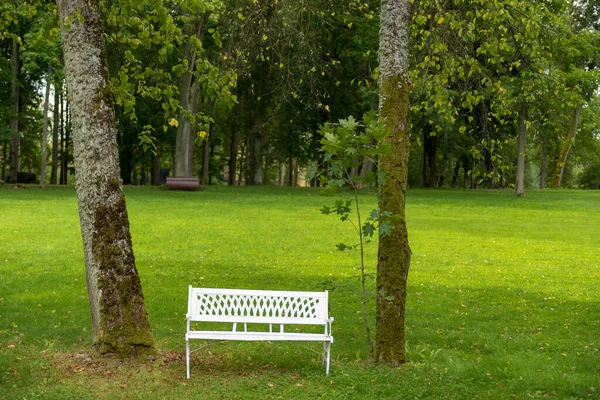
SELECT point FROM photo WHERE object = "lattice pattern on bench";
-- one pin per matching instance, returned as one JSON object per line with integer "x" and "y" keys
{"x": 257, "y": 306}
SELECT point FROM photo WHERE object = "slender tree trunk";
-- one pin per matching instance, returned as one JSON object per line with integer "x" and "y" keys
{"x": 45, "y": 132}
{"x": 295, "y": 172}
{"x": 233, "y": 152}
{"x": 64, "y": 158}
{"x": 61, "y": 151}
{"x": 242, "y": 163}
{"x": 366, "y": 168}
{"x": 119, "y": 318}
{"x": 235, "y": 143}
{"x": 432, "y": 160}
{"x": 521, "y": 133}
{"x": 566, "y": 148}
{"x": 55, "y": 130}
{"x": 14, "y": 123}
{"x": 155, "y": 171}
{"x": 544, "y": 165}
{"x": 442, "y": 177}
{"x": 4, "y": 156}
{"x": 290, "y": 172}
{"x": 394, "y": 252}
{"x": 258, "y": 160}
{"x": 205, "y": 159}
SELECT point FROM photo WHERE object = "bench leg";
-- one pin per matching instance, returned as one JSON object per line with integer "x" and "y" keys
{"x": 326, "y": 356}
{"x": 328, "y": 347}
{"x": 187, "y": 358}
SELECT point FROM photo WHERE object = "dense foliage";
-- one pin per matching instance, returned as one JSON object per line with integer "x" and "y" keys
{"x": 251, "y": 81}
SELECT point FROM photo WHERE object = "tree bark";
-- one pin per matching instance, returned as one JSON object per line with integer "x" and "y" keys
{"x": 394, "y": 251}
{"x": 521, "y": 133}
{"x": 119, "y": 317}
{"x": 45, "y": 132}
{"x": 14, "y": 123}
{"x": 566, "y": 148}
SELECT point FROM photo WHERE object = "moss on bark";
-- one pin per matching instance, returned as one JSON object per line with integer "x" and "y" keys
{"x": 124, "y": 327}
{"x": 394, "y": 251}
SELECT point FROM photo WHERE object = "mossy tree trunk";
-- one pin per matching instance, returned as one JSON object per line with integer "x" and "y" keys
{"x": 394, "y": 251}
{"x": 119, "y": 317}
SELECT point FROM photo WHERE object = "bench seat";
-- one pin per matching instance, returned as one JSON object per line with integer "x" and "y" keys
{"x": 264, "y": 336}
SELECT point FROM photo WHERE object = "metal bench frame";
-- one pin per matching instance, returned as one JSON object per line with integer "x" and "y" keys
{"x": 270, "y": 307}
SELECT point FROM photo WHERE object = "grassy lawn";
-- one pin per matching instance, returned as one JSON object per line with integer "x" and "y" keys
{"x": 504, "y": 295}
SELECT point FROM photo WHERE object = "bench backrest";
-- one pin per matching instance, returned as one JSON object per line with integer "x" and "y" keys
{"x": 257, "y": 306}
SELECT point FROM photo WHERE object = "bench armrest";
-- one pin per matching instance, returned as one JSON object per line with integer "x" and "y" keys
{"x": 328, "y": 330}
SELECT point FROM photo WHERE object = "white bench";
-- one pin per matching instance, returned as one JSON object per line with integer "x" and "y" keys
{"x": 258, "y": 307}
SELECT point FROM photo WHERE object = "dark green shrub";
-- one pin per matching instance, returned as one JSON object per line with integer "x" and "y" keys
{"x": 590, "y": 177}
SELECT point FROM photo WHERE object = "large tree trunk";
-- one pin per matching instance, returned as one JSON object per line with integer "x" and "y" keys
{"x": 185, "y": 141}
{"x": 522, "y": 130}
{"x": 394, "y": 251}
{"x": 45, "y": 132}
{"x": 566, "y": 148}
{"x": 14, "y": 123}
{"x": 119, "y": 318}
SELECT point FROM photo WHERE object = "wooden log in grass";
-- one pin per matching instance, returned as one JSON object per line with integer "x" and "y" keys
{"x": 182, "y": 183}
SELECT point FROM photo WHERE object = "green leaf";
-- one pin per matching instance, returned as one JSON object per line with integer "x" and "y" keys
{"x": 368, "y": 229}
{"x": 385, "y": 228}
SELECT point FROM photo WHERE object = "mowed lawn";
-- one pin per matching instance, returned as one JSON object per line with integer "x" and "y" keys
{"x": 503, "y": 302}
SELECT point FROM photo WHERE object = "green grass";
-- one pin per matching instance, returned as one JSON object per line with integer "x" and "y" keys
{"x": 504, "y": 295}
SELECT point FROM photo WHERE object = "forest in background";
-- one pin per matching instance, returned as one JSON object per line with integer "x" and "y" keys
{"x": 505, "y": 92}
